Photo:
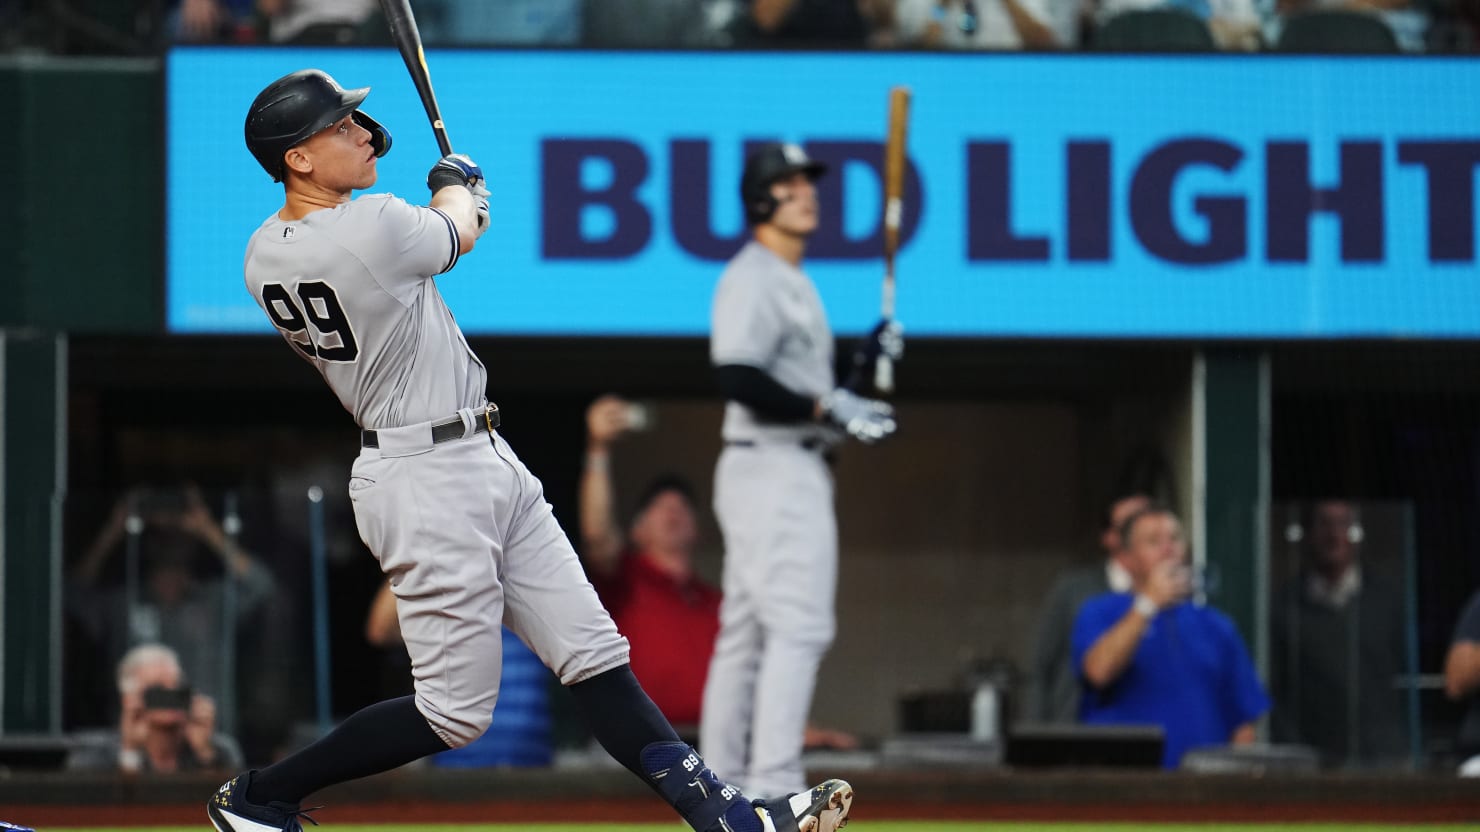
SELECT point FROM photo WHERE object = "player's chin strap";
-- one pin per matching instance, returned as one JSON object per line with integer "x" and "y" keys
{"x": 688, "y": 785}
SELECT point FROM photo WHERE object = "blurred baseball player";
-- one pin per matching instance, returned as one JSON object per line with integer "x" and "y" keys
{"x": 773, "y": 491}
{"x": 459, "y": 525}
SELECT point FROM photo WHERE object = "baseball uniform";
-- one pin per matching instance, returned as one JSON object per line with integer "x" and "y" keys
{"x": 457, "y": 522}
{"x": 461, "y": 527}
{"x": 773, "y": 494}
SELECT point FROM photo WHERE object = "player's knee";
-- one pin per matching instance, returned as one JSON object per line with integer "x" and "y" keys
{"x": 814, "y": 638}
{"x": 465, "y": 728}
{"x": 459, "y": 726}
{"x": 592, "y": 659}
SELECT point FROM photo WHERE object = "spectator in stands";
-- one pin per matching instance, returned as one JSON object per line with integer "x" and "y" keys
{"x": 987, "y": 24}
{"x": 163, "y": 727}
{"x": 646, "y": 577}
{"x": 176, "y": 537}
{"x": 1462, "y": 683}
{"x": 1053, "y": 681}
{"x": 1234, "y": 24}
{"x": 628, "y": 24}
{"x": 1409, "y": 20}
{"x": 211, "y": 21}
{"x": 503, "y": 23}
{"x": 647, "y": 581}
{"x": 1337, "y": 647}
{"x": 1150, "y": 657}
{"x": 317, "y": 21}
{"x": 812, "y": 23}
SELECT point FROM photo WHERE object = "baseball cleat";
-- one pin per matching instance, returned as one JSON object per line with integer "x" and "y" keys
{"x": 230, "y": 811}
{"x": 823, "y": 808}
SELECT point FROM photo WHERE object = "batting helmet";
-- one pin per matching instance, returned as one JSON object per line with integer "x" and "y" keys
{"x": 765, "y": 166}
{"x": 298, "y": 105}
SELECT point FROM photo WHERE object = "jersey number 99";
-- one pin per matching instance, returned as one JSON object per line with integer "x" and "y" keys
{"x": 332, "y": 338}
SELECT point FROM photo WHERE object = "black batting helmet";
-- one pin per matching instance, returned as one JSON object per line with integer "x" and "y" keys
{"x": 767, "y": 165}
{"x": 298, "y": 105}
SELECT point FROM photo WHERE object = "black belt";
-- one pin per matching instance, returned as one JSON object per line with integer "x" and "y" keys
{"x": 811, "y": 443}
{"x": 443, "y": 431}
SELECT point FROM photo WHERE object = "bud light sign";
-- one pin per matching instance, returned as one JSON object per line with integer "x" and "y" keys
{"x": 1053, "y": 196}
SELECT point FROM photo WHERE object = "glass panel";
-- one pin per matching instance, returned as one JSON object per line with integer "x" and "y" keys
{"x": 1342, "y": 631}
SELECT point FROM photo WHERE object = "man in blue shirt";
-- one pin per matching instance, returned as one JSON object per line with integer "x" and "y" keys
{"x": 1149, "y": 657}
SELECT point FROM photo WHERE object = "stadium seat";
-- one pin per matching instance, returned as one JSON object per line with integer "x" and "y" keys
{"x": 1334, "y": 32}
{"x": 1154, "y": 30}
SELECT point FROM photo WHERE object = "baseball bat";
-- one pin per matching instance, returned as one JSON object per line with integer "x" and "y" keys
{"x": 894, "y": 165}
{"x": 408, "y": 42}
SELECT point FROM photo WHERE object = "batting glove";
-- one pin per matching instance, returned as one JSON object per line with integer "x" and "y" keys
{"x": 867, "y": 420}
{"x": 888, "y": 334}
{"x": 886, "y": 338}
{"x": 480, "y": 202}
{"x": 455, "y": 169}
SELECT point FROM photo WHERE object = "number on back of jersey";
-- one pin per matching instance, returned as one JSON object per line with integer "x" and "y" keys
{"x": 315, "y": 323}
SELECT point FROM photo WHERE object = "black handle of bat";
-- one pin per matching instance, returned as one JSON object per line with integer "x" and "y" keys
{"x": 407, "y": 38}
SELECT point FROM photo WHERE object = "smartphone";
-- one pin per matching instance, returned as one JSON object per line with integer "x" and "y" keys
{"x": 162, "y": 501}
{"x": 640, "y": 417}
{"x": 166, "y": 699}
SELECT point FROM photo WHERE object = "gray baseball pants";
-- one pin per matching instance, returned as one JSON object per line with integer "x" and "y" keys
{"x": 775, "y": 506}
{"x": 463, "y": 532}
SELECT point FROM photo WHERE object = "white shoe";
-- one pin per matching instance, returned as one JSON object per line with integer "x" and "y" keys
{"x": 823, "y": 808}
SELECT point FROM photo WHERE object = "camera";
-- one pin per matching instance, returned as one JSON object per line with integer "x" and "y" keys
{"x": 159, "y": 698}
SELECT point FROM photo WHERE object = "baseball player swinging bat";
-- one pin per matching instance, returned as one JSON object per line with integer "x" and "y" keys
{"x": 894, "y": 163}
{"x": 408, "y": 41}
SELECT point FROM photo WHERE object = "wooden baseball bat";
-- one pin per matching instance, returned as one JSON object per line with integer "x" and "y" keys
{"x": 408, "y": 41}
{"x": 894, "y": 166}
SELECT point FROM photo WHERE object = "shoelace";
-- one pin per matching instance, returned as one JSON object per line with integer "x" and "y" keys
{"x": 294, "y": 825}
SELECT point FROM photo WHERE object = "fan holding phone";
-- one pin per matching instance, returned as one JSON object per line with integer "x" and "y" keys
{"x": 163, "y": 726}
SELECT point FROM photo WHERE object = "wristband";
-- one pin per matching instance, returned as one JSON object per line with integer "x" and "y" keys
{"x": 1146, "y": 607}
{"x": 130, "y": 759}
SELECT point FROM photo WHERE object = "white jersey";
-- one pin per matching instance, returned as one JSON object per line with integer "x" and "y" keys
{"x": 767, "y": 314}
{"x": 351, "y": 288}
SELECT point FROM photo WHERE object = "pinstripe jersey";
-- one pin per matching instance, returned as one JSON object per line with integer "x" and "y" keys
{"x": 351, "y": 288}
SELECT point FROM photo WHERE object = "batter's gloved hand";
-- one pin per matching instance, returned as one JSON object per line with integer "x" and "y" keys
{"x": 886, "y": 338}
{"x": 455, "y": 169}
{"x": 867, "y": 420}
{"x": 480, "y": 202}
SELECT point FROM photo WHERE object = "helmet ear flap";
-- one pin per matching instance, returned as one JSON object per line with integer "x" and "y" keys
{"x": 761, "y": 208}
{"x": 380, "y": 138}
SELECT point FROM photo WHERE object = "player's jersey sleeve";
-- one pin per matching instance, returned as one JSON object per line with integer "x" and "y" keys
{"x": 746, "y": 325}
{"x": 402, "y": 243}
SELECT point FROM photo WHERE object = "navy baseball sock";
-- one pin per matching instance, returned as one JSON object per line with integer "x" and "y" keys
{"x": 378, "y": 738}
{"x": 632, "y": 729}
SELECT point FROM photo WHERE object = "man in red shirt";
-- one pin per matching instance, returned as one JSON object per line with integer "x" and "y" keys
{"x": 646, "y": 577}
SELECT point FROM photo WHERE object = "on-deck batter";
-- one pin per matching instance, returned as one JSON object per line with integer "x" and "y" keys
{"x": 457, "y": 522}
{"x": 773, "y": 490}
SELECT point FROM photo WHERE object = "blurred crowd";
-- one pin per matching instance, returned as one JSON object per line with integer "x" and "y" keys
{"x": 147, "y": 26}
{"x": 160, "y": 595}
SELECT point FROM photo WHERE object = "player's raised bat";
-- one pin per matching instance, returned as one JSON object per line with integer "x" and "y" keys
{"x": 408, "y": 41}
{"x": 894, "y": 165}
